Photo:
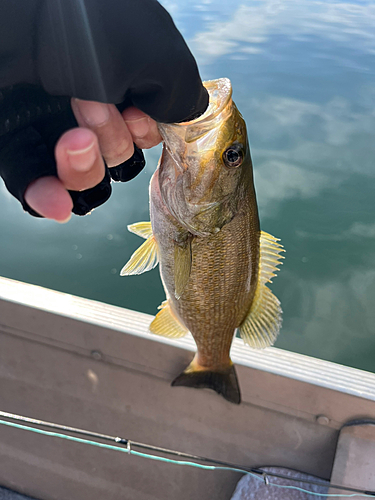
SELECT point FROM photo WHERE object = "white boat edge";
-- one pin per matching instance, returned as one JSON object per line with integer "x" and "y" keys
{"x": 288, "y": 364}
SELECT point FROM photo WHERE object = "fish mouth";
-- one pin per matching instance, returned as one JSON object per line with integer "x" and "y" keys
{"x": 220, "y": 94}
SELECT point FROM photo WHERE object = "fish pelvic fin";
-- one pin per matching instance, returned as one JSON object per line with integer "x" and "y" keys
{"x": 145, "y": 257}
{"x": 262, "y": 325}
{"x": 223, "y": 381}
{"x": 166, "y": 324}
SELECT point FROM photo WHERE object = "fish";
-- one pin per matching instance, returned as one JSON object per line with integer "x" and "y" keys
{"x": 204, "y": 232}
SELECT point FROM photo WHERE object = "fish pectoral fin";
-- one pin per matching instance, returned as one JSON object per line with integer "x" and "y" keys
{"x": 262, "y": 325}
{"x": 142, "y": 229}
{"x": 182, "y": 267}
{"x": 166, "y": 324}
{"x": 143, "y": 259}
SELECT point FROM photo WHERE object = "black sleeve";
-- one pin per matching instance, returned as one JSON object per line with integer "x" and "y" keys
{"x": 126, "y": 52}
{"x": 112, "y": 51}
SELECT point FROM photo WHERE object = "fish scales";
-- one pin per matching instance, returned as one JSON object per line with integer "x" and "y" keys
{"x": 205, "y": 234}
{"x": 216, "y": 297}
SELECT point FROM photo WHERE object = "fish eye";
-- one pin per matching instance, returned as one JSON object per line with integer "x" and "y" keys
{"x": 233, "y": 157}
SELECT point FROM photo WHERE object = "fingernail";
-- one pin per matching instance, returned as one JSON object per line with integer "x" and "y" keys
{"x": 139, "y": 127}
{"x": 93, "y": 113}
{"x": 65, "y": 220}
{"x": 82, "y": 159}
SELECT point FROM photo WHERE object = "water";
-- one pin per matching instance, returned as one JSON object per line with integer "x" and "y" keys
{"x": 303, "y": 77}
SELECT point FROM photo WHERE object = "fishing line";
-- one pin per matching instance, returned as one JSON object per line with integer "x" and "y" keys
{"x": 258, "y": 473}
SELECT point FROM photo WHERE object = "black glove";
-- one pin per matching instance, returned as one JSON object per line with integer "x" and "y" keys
{"x": 125, "y": 52}
{"x": 33, "y": 121}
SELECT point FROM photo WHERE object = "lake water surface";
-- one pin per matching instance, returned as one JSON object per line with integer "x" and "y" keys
{"x": 303, "y": 78}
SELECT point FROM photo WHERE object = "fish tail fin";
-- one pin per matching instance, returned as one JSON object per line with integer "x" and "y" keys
{"x": 223, "y": 381}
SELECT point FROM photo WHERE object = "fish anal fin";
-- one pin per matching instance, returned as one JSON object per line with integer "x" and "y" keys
{"x": 262, "y": 325}
{"x": 142, "y": 229}
{"x": 223, "y": 382}
{"x": 182, "y": 266}
{"x": 143, "y": 259}
{"x": 166, "y": 324}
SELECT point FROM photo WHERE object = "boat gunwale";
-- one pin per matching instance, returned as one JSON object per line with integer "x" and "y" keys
{"x": 299, "y": 367}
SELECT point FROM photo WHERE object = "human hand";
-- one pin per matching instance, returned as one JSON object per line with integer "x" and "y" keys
{"x": 134, "y": 56}
{"x": 103, "y": 132}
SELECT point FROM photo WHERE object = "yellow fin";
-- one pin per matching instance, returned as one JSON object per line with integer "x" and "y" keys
{"x": 165, "y": 323}
{"x": 269, "y": 257}
{"x": 263, "y": 323}
{"x": 143, "y": 259}
{"x": 182, "y": 267}
{"x": 142, "y": 229}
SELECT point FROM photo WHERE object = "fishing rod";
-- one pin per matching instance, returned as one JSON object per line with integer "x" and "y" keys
{"x": 129, "y": 444}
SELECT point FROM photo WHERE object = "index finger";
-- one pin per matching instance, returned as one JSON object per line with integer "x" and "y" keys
{"x": 115, "y": 140}
{"x": 143, "y": 129}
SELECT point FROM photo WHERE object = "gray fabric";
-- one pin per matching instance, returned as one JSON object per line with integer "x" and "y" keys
{"x": 253, "y": 488}
{"x": 6, "y": 494}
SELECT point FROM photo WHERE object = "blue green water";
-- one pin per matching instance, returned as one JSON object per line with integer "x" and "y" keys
{"x": 303, "y": 77}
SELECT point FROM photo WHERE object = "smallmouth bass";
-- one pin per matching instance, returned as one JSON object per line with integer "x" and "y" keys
{"x": 205, "y": 234}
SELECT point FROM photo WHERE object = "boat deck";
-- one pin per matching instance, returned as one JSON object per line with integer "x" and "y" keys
{"x": 248, "y": 488}
{"x": 6, "y": 494}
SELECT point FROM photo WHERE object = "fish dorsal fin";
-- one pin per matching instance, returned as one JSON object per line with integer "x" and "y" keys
{"x": 142, "y": 229}
{"x": 166, "y": 323}
{"x": 145, "y": 257}
{"x": 182, "y": 267}
{"x": 269, "y": 258}
{"x": 263, "y": 323}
